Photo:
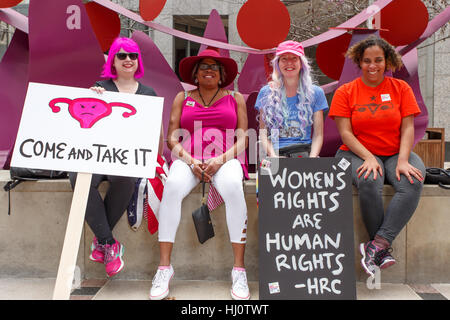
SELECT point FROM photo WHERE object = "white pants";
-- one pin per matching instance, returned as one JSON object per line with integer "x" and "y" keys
{"x": 228, "y": 182}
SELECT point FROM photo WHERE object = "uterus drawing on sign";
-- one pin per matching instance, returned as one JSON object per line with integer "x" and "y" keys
{"x": 87, "y": 111}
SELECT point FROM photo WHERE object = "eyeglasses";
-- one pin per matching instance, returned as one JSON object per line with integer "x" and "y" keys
{"x": 123, "y": 55}
{"x": 205, "y": 66}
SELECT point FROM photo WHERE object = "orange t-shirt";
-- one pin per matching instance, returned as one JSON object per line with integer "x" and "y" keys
{"x": 376, "y": 112}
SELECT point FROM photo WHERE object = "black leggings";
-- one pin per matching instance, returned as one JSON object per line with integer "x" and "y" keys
{"x": 103, "y": 215}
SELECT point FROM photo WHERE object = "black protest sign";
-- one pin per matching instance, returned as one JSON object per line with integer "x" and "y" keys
{"x": 306, "y": 248}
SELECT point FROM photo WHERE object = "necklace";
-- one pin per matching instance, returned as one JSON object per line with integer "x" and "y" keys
{"x": 204, "y": 104}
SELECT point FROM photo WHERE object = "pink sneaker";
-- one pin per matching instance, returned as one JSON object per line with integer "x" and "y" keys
{"x": 113, "y": 258}
{"x": 97, "y": 251}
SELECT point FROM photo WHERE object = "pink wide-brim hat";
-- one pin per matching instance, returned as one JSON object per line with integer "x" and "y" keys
{"x": 290, "y": 47}
{"x": 188, "y": 63}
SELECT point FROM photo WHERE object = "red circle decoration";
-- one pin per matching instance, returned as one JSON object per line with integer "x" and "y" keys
{"x": 330, "y": 55}
{"x": 263, "y": 24}
{"x": 406, "y": 21}
{"x": 105, "y": 23}
{"x": 9, "y": 3}
{"x": 150, "y": 9}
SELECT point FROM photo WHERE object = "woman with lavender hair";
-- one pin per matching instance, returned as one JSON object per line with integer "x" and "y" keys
{"x": 122, "y": 68}
{"x": 290, "y": 106}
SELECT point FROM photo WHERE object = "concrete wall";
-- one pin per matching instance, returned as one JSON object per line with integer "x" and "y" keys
{"x": 32, "y": 238}
{"x": 434, "y": 74}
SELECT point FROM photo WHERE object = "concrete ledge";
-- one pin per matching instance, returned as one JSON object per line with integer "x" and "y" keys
{"x": 32, "y": 238}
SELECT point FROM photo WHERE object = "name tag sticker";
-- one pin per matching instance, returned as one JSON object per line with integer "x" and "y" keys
{"x": 385, "y": 97}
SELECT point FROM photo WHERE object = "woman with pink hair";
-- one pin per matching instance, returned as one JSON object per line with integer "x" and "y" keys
{"x": 122, "y": 68}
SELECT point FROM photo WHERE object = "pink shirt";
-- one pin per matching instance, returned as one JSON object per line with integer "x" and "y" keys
{"x": 209, "y": 132}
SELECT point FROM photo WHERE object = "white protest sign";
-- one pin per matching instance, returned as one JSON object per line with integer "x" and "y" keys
{"x": 77, "y": 130}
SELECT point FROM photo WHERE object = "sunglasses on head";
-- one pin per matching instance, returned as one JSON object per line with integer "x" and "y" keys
{"x": 123, "y": 56}
{"x": 205, "y": 66}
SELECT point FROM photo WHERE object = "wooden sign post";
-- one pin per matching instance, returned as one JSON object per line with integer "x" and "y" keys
{"x": 72, "y": 238}
{"x": 306, "y": 248}
{"x": 77, "y": 130}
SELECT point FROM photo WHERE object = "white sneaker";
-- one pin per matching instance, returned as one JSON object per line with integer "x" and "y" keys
{"x": 160, "y": 283}
{"x": 239, "y": 288}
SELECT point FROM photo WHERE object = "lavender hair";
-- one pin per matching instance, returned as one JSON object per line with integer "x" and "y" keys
{"x": 275, "y": 109}
{"x": 128, "y": 45}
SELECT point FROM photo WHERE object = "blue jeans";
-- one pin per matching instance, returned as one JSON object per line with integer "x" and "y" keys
{"x": 403, "y": 204}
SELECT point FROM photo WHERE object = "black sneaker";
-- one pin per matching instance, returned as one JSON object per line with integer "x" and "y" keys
{"x": 386, "y": 259}
{"x": 370, "y": 257}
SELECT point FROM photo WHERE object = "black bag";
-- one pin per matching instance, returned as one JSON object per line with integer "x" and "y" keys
{"x": 438, "y": 176}
{"x": 19, "y": 175}
{"x": 202, "y": 220}
{"x": 295, "y": 151}
{"x": 27, "y": 174}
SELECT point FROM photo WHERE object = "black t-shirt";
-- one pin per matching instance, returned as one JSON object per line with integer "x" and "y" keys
{"x": 109, "y": 85}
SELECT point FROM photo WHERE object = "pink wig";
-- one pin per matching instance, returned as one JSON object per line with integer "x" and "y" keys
{"x": 128, "y": 45}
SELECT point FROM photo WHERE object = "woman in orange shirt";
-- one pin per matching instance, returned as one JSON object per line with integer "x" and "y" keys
{"x": 374, "y": 115}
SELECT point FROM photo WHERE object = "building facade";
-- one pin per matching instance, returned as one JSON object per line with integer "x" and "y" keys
{"x": 191, "y": 16}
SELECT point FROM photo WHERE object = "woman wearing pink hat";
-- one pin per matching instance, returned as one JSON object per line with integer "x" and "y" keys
{"x": 290, "y": 106}
{"x": 212, "y": 123}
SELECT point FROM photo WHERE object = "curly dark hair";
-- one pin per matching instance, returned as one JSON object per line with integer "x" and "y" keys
{"x": 392, "y": 57}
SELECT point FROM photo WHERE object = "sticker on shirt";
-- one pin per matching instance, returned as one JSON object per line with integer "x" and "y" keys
{"x": 385, "y": 97}
{"x": 190, "y": 103}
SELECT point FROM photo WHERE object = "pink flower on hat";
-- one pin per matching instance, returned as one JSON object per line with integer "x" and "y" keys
{"x": 290, "y": 47}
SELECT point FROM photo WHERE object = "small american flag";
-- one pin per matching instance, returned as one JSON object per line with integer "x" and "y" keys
{"x": 214, "y": 199}
{"x": 155, "y": 188}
